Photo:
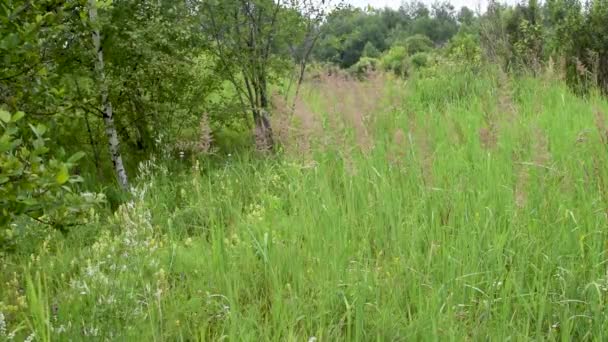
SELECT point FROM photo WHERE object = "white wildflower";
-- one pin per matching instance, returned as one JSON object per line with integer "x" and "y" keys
{"x": 2, "y": 325}
{"x": 61, "y": 329}
{"x": 30, "y": 338}
{"x": 90, "y": 270}
{"x": 92, "y": 331}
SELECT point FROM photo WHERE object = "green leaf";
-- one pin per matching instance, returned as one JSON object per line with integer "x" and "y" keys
{"x": 41, "y": 129}
{"x": 5, "y": 143}
{"x": 17, "y": 116}
{"x": 76, "y": 157}
{"x": 62, "y": 176}
{"x": 5, "y": 116}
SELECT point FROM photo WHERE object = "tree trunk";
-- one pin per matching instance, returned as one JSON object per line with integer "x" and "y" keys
{"x": 263, "y": 130}
{"x": 603, "y": 71}
{"x": 114, "y": 144}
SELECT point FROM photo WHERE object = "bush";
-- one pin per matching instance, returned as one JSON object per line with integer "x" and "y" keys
{"x": 371, "y": 51}
{"x": 364, "y": 66}
{"x": 419, "y": 60}
{"x": 418, "y": 43}
{"x": 396, "y": 60}
{"x": 464, "y": 48}
{"x": 33, "y": 184}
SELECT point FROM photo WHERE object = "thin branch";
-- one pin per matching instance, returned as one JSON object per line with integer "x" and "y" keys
{"x": 222, "y": 56}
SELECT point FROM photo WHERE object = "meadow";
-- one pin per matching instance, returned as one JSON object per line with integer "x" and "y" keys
{"x": 457, "y": 205}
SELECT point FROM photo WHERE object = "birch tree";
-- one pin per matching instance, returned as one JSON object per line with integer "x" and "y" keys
{"x": 110, "y": 128}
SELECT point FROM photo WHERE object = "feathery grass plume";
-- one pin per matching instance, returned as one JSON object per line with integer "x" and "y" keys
{"x": 541, "y": 158}
{"x": 354, "y": 104}
{"x": 521, "y": 186}
{"x": 506, "y": 108}
{"x": 203, "y": 144}
{"x": 457, "y": 135}
{"x": 308, "y": 128}
{"x": 426, "y": 153}
{"x": 503, "y": 115}
{"x": 205, "y": 139}
{"x": 581, "y": 69}
{"x": 540, "y": 149}
{"x": 424, "y": 149}
{"x": 281, "y": 119}
{"x": 488, "y": 137}
{"x": 563, "y": 68}
{"x": 600, "y": 163}
{"x": 397, "y": 152}
{"x": 555, "y": 71}
{"x": 602, "y": 128}
{"x": 296, "y": 127}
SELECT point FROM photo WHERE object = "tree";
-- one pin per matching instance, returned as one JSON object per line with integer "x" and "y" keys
{"x": 371, "y": 51}
{"x": 108, "y": 118}
{"x": 396, "y": 60}
{"x": 348, "y": 30}
{"x": 253, "y": 41}
{"x": 418, "y": 43}
{"x": 465, "y": 16}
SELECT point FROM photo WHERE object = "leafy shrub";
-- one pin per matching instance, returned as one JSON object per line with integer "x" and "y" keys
{"x": 365, "y": 66}
{"x": 465, "y": 48}
{"x": 419, "y": 60}
{"x": 34, "y": 184}
{"x": 371, "y": 51}
{"x": 418, "y": 43}
{"x": 396, "y": 60}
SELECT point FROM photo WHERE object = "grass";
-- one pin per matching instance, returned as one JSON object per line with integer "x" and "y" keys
{"x": 452, "y": 207}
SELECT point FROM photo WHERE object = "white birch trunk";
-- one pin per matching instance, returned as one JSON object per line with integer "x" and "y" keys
{"x": 114, "y": 144}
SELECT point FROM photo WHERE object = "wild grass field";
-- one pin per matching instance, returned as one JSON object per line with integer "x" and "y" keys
{"x": 455, "y": 206}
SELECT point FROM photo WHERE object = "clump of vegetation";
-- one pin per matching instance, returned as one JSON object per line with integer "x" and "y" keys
{"x": 365, "y": 66}
{"x": 396, "y": 60}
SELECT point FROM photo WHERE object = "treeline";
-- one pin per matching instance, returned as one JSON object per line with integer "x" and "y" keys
{"x": 351, "y": 33}
{"x": 570, "y": 34}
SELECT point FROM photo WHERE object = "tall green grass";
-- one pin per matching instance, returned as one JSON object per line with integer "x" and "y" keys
{"x": 431, "y": 234}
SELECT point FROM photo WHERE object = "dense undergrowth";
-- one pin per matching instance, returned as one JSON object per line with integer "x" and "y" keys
{"x": 457, "y": 206}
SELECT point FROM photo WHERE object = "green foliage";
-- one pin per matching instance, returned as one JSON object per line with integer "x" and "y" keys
{"x": 365, "y": 66}
{"x": 465, "y": 48}
{"x": 370, "y": 51}
{"x": 33, "y": 183}
{"x": 528, "y": 35}
{"x": 417, "y": 43}
{"x": 419, "y": 60}
{"x": 577, "y": 33}
{"x": 466, "y": 16}
{"x": 349, "y": 33}
{"x": 396, "y": 61}
{"x": 524, "y": 29}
